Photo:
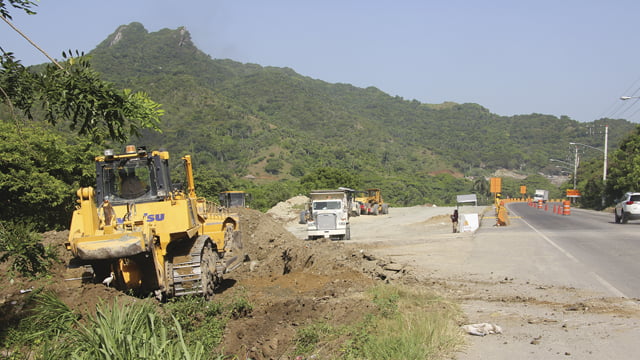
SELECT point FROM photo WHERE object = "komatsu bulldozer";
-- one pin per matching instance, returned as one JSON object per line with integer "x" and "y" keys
{"x": 153, "y": 235}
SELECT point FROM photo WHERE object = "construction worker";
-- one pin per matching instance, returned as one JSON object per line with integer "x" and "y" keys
{"x": 130, "y": 187}
{"x": 454, "y": 220}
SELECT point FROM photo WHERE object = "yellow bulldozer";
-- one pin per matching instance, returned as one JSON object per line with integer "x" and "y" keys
{"x": 140, "y": 232}
{"x": 234, "y": 198}
{"x": 371, "y": 203}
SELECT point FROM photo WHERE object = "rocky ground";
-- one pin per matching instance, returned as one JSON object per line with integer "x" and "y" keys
{"x": 292, "y": 282}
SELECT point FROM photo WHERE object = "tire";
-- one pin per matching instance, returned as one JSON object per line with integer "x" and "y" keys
{"x": 616, "y": 218}
{"x": 623, "y": 217}
{"x": 347, "y": 235}
{"x": 385, "y": 209}
{"x": 303, "y": 217}
{"x": 375, "y": 209}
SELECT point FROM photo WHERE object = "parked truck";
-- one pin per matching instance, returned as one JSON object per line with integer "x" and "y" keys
{"x": 328, "y": 215}
{"x": 541, "y": 195}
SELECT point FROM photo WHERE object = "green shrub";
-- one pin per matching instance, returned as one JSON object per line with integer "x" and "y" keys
{"x": 200, "y": 320}
{"x": 22, "y": 246}
{"x": 309, "y": 336}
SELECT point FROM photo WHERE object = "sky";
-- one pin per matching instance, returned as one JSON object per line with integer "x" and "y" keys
{"x": 557, "y": 57}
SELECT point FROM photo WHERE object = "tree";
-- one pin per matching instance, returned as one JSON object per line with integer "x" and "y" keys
{"x": 39, "y": 175}
{"x": 481, "y": 187}
{"x": 624, "y": 168}
{"x": 41, "y": 167}
{"x": 273, "y": 166}
{"x": 329, "y": 178}
{"x": 72, "y": 92}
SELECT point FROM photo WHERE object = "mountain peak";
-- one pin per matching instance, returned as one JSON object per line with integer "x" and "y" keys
{"x": 135, "y": 34}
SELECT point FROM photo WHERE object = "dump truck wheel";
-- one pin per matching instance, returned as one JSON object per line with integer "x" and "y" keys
{"x": 375, "y": 209}
{"x": 385, "y": 209}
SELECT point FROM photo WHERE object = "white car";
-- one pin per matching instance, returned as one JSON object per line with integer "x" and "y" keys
{"x": 628, "y": 208}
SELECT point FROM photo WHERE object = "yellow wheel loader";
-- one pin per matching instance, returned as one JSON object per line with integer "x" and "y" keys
{"x": 155, "y": 236}
{"x": 371, "y": 202}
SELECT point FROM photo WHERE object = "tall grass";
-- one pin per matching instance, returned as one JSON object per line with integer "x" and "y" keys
{"x": 185, "y": 328}
{"x": 408, "y": 324}
{"x": 131, "y": 332}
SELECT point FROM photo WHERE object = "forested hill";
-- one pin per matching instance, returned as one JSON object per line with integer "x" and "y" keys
{"x": 246, "y": 119}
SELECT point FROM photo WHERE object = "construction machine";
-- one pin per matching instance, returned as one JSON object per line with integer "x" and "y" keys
{"x": 328, "y": 215}
{"x": 235, "y": 198}
{"x": 371, "y": 202}
{"x": 149, "y": 234}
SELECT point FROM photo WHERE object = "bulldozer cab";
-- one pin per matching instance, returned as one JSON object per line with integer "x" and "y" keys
{"x": 373, "y": 194}
{"x": 134, "y": 176}
{"x": 229, "y": 199}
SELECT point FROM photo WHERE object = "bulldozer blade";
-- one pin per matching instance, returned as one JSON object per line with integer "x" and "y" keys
{"x": 232, "y": 264}
{"x": 236, "y": 241}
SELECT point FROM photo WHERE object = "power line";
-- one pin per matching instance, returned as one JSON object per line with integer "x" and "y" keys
{"x": 618, "y": 108}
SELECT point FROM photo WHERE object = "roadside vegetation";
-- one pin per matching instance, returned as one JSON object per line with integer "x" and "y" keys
{"x": 185, "y": 328}
{"x": 407, "y": 324}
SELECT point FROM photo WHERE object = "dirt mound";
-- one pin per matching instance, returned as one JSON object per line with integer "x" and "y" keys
{"x": 289, "y": 282}
{"x": 292, "y": 282}
{"x": 289, "y": 210}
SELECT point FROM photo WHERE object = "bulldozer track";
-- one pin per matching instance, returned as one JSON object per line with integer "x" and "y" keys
{"x": 186, "y": 271}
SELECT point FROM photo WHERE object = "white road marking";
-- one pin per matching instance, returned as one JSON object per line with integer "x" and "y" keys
{"x": 602, "y": 281}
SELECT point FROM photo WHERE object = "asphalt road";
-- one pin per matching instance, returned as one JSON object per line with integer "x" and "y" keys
{"x": 584, "y": 250}
{"x": 600, "y": 253}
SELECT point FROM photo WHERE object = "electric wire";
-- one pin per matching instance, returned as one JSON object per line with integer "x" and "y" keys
{"x": 620, "y": 108}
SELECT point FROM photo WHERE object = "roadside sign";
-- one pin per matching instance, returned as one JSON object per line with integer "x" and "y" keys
{"x": 573, "y": 193}
{"x": 495, "y": 185}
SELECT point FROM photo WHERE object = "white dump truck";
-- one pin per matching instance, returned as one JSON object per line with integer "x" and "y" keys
{"x": 328, "y": 215}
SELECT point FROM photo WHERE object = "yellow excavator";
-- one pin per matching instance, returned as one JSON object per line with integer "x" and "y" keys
{"x": 149, "y": 234}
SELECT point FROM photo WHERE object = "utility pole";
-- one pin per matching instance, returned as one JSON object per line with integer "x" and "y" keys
{"x": 606, "y": 145}
{"x": 575, "y": 168}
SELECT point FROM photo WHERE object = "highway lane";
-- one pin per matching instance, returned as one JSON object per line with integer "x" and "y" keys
{"x": 608, "y": 252}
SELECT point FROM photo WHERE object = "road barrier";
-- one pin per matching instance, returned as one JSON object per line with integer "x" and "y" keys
{"x": 502, "y": 216}
{"x": 564, "y": 207}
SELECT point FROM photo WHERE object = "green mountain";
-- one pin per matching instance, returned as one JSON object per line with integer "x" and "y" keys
{"x": 245, "y": 119}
